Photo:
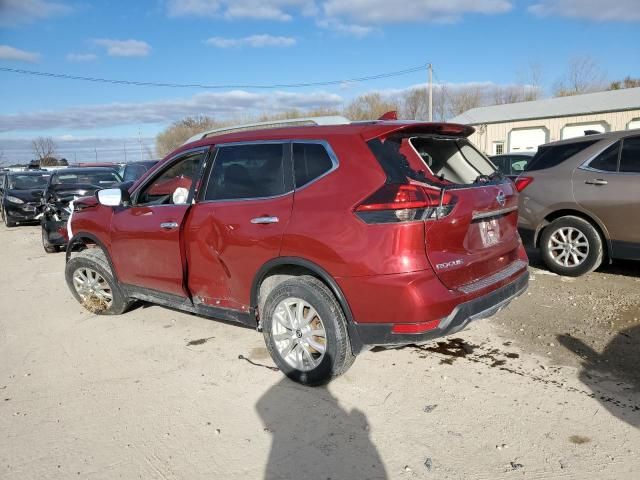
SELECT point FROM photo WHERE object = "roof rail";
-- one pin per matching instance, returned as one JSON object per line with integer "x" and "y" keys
{"x": 292, "y": 122}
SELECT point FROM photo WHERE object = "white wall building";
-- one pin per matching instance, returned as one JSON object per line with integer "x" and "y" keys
{"x": 518, "y": 127}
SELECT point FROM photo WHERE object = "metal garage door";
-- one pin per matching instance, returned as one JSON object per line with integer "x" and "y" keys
{"x": 527, "y": 139}
{"x": 635, "y": 123}
{"x": 573, "y": 131}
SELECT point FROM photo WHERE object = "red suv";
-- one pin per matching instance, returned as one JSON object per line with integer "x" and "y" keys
{"x": 328, "y": 236}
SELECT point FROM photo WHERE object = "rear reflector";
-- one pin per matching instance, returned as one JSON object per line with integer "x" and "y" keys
{"x": 523, "y": 182}
{"x": 415, "y": 327}
{"x": 394, "y": 203}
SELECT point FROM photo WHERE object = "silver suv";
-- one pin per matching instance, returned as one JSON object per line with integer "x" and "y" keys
{"x": 580, "y": 201}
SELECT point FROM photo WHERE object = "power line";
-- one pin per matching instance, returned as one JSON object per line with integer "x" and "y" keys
{"x": 212, "y": 87}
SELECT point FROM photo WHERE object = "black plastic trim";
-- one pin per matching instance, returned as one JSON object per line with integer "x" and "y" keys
{"x": 625, "y": 250}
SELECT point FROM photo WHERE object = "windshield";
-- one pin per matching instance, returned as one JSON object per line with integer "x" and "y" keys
{"x": 100, "y": 178}
{"x": 134, "y": 172}
{"x": 28, "y": 182}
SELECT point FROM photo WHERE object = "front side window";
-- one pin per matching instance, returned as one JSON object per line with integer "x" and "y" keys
{"x": 173, "y": 185}
{"x": 630, "y": 157}
{"x": 607, "y": 161}
{"x": 310, "y": 161}
{"x": 247, "y": 171}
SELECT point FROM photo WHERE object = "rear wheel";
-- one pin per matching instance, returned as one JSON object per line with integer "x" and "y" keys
{"x": 91, "y": 282}
{"x": 571, "y": 246}
{"x": 306, "y": 332}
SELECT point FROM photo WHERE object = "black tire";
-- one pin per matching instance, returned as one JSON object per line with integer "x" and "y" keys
{"x": 5, "y": 218}
{"x": 338, "y": 356}
{"x": 95, "y": 259}
{"x": 46, "y": 244}
{"x": 594, "y": 255}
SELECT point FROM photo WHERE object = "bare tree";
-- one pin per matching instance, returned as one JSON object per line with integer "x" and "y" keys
{"x": 369, "y": 107}
{"x": 178, "y": 132}
{"x": 43, "y": 148}
{"x": 583, "y": 76}
{"x": 464, "y": 98}
{"x": 627, "y": 82}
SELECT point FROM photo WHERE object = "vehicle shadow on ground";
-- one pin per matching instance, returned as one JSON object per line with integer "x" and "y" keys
{"x": 314, "y": 437}
{"x": 626, "y": 268}
{"x": 612, "y": 376}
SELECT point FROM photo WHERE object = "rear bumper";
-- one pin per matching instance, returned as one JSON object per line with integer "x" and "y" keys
{"x": 480, "y": 307}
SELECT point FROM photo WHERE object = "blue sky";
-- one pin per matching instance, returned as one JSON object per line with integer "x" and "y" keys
{"x": 273, "y": 41}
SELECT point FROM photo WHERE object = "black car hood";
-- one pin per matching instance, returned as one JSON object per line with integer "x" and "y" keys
{"x": 64, "y": 193}
{"x": 26, "y": 195}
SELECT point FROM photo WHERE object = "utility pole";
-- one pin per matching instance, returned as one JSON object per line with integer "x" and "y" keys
{"x": 96, "y": 150}
{"x": 125, "y": 152}
{"x": 430, "y": 68}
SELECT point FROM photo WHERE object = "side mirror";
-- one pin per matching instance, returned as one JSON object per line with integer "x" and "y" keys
{"x": 110, "y": 197}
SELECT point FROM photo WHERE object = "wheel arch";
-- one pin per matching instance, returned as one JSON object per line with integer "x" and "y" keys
{"x": 81, "y": 240}
{"x": 569, "y": 212}
{"x": 294, "y": 266}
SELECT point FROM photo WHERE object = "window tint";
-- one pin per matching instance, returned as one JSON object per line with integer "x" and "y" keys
{"x": 133, "y": 172}
{"x": 607, "y": 161}
{"x": 310, "y": 160}
{"x": 630, "y": 159}
{"x": 247, "y": 171}
{"x": 172, "y": 186}
{"x": 551, "y": 156}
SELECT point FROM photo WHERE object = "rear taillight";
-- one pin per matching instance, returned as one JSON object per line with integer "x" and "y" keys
{"x": 394, "y": 203}
{"x": 523, "y": 182}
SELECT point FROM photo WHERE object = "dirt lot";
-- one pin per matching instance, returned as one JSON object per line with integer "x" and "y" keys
{"x": 550, "y": 388}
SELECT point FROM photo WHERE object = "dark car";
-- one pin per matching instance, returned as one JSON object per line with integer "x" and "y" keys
{"x": 132, "y": 171}
{"x": 512, "y": 164}
{"x": 21, "y": 196}
{"x": 330, "y": 237}
{"x": 64, "y": 186}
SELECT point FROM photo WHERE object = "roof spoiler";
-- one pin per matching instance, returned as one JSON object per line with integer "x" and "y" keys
{"x": 378, "y": 130}
{"x": 292, "y": 122}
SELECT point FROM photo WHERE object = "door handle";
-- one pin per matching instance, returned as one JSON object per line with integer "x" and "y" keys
{"x": 264, "y": 220}
{"x": 597, "y": 181}
{"x": 169, "y": 225}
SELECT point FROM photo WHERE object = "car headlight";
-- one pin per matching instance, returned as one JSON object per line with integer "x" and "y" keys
{"x": 13, "y": 199}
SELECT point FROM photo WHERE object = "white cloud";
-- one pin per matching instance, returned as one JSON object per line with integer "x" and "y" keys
{"x": 280, "y": 10}
{"x": 349, "y": 29}
{"x": 369, "y": 12}
{"x": 18, "y": 12}
{"x": 614, "y": 10}
{"x": 124, "y": 48}
{"x": 81, "y": 57}
{"x": 11, "y": 53}
{"x": 218, "y": 105}
{"x": 254, "y": 41}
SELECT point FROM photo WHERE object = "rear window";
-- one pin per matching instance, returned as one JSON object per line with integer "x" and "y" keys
{"x": 100, "y": 179}
{"x": 554, "y": 155}
{"x": 310, "y": 161}
{"x": 630, "y": 158}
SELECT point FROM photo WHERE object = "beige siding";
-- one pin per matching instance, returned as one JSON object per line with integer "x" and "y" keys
{"x": 485, "y": 135}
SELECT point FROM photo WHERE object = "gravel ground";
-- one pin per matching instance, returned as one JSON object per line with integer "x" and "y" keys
{"x": 548, "y": 388}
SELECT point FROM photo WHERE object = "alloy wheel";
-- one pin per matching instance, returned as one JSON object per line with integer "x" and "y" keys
{"x": 568, "y": 246}
{"x": 299, "y": 334}
{"x": 91, "y": 286}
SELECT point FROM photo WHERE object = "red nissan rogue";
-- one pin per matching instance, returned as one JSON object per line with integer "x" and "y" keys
{"x": 330, "y": 236}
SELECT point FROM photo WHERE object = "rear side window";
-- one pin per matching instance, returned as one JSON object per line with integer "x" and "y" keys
{"x": 607, "y": 161}
{"x": 552, "y": 156}
{"x": 247, "y": 171}
{"x": 310, "y": 161}
{"x": 630, "y": 158}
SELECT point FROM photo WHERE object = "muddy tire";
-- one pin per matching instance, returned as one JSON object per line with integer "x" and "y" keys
{"x": 91, "y": 282}
{"x": 305, "y": 331}
{"x": 571, "y": 246}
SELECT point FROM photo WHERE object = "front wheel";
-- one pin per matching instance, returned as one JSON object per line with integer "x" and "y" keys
{"x": 48, "y": 247}
{"x": 92, "y": 283}
{"x": 305, "y": 330}
{"x": 571, "y": 246}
